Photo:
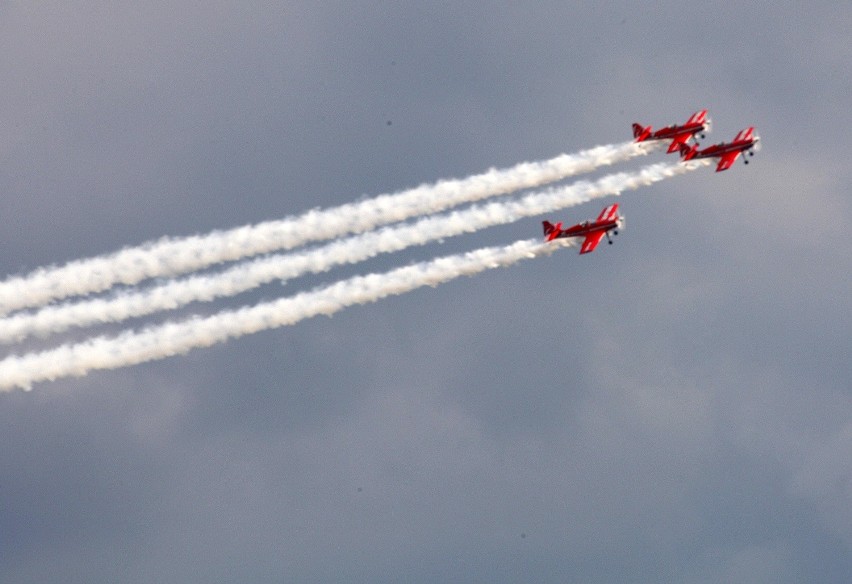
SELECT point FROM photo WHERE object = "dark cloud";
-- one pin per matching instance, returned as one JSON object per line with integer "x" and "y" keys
{"x": 674, "y": 407}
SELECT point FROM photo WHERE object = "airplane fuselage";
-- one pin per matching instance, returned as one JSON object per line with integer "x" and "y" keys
{"x": 722, "y": 149}
{"x": 675, "y": 131}
{"x": 583, "y": 229}
{"x": 591, "y": 231}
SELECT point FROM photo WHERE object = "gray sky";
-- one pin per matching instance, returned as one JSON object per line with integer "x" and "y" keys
{"x": 674, "y": 408}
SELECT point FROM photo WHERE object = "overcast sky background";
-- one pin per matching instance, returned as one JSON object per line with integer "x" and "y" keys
{"x": 676, "y": 407}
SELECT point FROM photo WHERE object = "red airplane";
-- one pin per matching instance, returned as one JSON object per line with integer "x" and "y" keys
{"x": 745, "y": 143}
{"x": 608, "y": 220}
{"x": 698, "y": 123}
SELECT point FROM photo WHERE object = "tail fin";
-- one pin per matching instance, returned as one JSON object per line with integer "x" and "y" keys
{"x": 551, "y": 231}
{"x": 688, "y": 152}
{"x": 641, "y": 134}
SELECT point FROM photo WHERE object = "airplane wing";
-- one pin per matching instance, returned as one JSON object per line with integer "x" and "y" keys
{"x": 677, "y": 141}
{"x": 592, "y": 240}
{"x": 746, "y": 134}
{"x": 698, "y": 117}
{"x": 726, "y": 161}
{"x": 608, "y": 214}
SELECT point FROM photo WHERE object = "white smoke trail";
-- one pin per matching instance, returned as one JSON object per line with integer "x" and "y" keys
{"x": 131, "y": 347}
{"x": 174, "y": 256}
{"x": 248, "y": 275}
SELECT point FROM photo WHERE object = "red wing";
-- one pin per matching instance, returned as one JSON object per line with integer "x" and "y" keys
{"x": 677, "y": 141}
{"x": 592, "y": 240}
{"x": 744, "y": 134}
{"x": 726, "y": 161}
{"x": 608, "y": 214}
{"x": 698, "y": 117}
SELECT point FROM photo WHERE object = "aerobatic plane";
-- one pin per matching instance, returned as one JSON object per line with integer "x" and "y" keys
{"x": 697, "y": 123}
{"x": 744, "y": 143}
{"x": 593, "y": 231}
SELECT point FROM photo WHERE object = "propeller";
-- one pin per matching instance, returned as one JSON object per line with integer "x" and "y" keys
{"x": 708, "y": 127}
